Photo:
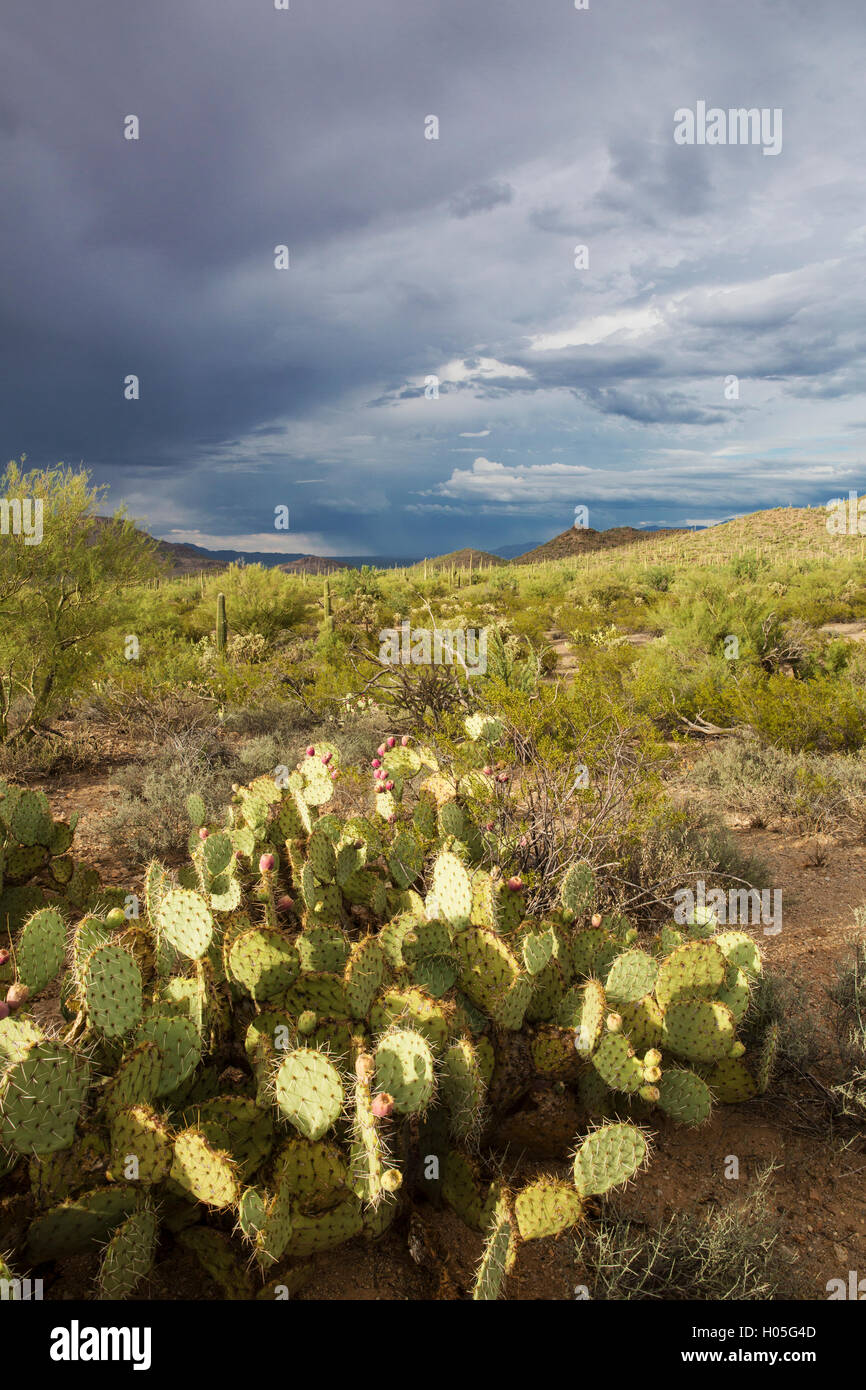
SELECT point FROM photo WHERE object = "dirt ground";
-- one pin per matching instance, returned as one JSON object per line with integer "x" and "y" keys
{"x": 818, "y": 1189}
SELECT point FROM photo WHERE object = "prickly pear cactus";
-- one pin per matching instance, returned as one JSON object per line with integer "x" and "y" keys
{"x": 321, "y": 1017}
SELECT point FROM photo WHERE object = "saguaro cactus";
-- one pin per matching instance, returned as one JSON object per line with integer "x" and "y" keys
{"x": 221, "y": 624}
{"x": 329, "y": 619}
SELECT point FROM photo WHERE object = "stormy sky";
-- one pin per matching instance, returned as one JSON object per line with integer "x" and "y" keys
{"x": 606, "y": 383}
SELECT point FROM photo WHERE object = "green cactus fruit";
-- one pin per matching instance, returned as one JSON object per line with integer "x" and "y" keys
{"x": 740, "y": 950}
{"x": 139, "y": 1134}
{"x": 128, "y": 1256}
{"x": 767, "y": 1059}
{"x": 630, "y": 978}
{"x": 451, "y": 895}
{"x": 179, "y": 1047}
{"x": 41, "y": 949}
{"x": 731, "y": 1081}
{"x": 461, "y": 1187}
{"x": 405, "y": 1070}
{"x": 615, "y": 1061}
{"x": 111, "y": 990}
{"x": 264, "y": 963}
{"x": 578, "y": 889}
{"x": 547, "y": 1207}
{"x": 74, "y": 1226}
{"x": 685, "y": 1097}
{"x": 700, "y": 1030}
{"x": 463, "y": 1090}
{"x": 218, "y": 1260}
{"x": 207, "y": 1174}
{"x": 363, "y": 976}
{"x": 609, "y": 1157}
{"x": 693, "y": 971}
{"x": 185, "y": 922}
{"x": 309, "y": 1092}
{"x": 42, "y": 1091}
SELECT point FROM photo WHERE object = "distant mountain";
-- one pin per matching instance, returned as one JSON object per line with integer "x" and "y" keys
{"x": 269, "y": 559}
{"x": 313, "y": 564}
{"x": 462, "y": 559}
{"x": 577, "y": 540}
{"x": 508, "y": 552}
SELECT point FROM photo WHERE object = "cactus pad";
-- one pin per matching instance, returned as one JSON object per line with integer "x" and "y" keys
{"x": 309, "y": 1092}
{"x": 609, "y": 1157}
{"x": 111, "y": 990}
{"x": 405, "y": 1070}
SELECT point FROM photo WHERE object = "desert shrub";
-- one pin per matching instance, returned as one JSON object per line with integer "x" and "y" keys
{"x": 730, "y": 1253}
{"x": 658, "y": 577}
{"x": 821, "y": 792}
{"x": 61, "y": 600}
{"x": 258, "y": 599}
{"x": 149, "y": 814}
{"x": 784, "y": 998}
{"x": 848, "y": 994}
{"x": 666, "y": 848}
{"x": 825, "y": 714}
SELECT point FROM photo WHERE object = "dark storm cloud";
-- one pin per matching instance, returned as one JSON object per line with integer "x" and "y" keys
{"x": 307, "y": 128}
